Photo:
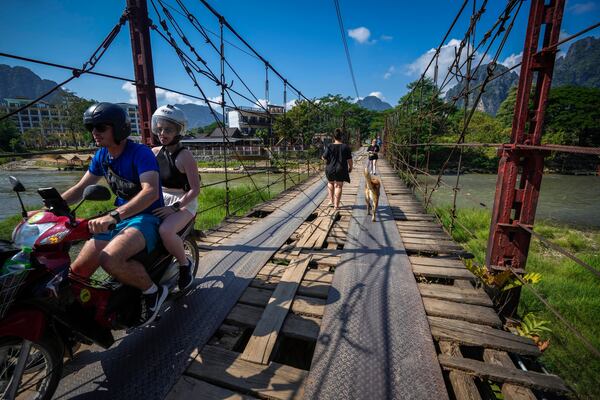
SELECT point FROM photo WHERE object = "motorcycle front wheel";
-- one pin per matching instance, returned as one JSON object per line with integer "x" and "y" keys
{"x": 30, "y": 370}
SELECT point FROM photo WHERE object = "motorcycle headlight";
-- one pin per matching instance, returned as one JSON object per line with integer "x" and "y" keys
{"x": 26, "y": 234}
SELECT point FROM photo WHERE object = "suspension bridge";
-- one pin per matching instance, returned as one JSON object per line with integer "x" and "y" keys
{"x": 294, "y": 299}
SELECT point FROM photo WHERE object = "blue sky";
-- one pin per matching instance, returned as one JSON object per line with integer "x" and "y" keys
{"x": 388, "y": 42}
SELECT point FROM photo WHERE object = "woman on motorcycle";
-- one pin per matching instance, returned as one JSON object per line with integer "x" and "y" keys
{"x": 180, "y": 184}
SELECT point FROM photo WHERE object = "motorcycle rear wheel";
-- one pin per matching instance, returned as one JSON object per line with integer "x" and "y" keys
{"x": 43, "y": 367}
{"x": 191, "y": 252}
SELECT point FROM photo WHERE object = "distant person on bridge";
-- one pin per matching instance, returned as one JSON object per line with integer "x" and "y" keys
{"x": 180, "y": 185}
{"x": 131, "y": 171}
{"x": 373, "y": 151}
{"x": 338, "y": 157}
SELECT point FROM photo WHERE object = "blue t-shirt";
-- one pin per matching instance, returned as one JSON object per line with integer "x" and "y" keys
{"x": 134, "y": 161}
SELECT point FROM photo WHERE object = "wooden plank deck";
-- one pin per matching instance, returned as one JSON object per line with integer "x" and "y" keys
{"x": 244, "y": 360}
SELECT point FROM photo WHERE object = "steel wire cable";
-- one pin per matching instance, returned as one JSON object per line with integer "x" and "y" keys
{"x": 558, "y": 315}
{"x": 345, "y": 43}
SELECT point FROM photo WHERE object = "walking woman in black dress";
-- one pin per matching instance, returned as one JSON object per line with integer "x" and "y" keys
{"x": 338, "y": 157}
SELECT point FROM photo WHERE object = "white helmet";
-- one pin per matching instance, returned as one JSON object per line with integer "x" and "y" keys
{"x": 171, "y": 114}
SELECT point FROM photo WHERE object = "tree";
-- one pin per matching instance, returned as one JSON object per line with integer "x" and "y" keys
{"x": 75, "y": 107}
{"x": 8, "y": 132}
{"x": 576, "y": 111}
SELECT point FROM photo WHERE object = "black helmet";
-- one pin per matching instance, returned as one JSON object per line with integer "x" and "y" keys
{"x": 108, "y": 113}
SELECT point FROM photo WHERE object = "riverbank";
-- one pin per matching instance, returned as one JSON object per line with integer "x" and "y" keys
{"x": 243, "y": 196}
{"x": 568, "y": 287}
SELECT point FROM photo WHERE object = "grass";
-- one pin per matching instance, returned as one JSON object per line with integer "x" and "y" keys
{"x": 571, "y": 289}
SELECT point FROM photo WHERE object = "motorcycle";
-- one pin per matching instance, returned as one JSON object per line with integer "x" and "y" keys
{"x": 45, "y": 312}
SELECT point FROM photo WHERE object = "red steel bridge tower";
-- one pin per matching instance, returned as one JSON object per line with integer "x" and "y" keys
{"x": 522, "y": 160}
{"x": 139, "y": 28}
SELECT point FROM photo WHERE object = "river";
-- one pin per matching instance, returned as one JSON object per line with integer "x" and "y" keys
{"x": 564, "y": 199}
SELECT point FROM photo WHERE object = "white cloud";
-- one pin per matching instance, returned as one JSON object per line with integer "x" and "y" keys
{"x": 387, "y": 38}
{"x": 445, "y": 61}
{"x": 390, "y": 71}
{"x": 262, "y": 103}
{"x": 581, "y": 8}
{"x": 513, "y": 60}
{"x": 163, "y": 96}
{"x": 361, "y": 35}
{"x": 290, "y": 104}
{"x": 379, "y": 95}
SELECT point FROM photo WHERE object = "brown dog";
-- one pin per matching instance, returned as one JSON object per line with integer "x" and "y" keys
{"x": 372, "y": 193}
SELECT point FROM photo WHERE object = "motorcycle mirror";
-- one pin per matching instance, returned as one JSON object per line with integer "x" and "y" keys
{"x": 16, "y": 184}
{"x": 96, "y": 193}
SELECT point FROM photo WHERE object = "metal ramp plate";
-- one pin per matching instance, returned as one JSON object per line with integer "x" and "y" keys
{"x": 146, "y": 363}
{"x": 375, "y": 341}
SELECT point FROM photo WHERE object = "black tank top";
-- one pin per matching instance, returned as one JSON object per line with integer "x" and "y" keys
{"x": 170, "y": 176}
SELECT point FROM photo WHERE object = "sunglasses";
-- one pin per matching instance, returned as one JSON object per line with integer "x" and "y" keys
{"x": 98, "y": 127}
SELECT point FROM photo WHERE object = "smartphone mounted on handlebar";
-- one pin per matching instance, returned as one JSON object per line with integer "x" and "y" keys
{"x": 54, "y": 202}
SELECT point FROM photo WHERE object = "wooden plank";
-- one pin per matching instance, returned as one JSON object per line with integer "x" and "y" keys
{"x": 324, "y": 257}
{"x": 480, "y": 335}
{"x": 262, "y": 342}
{"x": 307, "y": 288}
{"x": 271, "y": 269}
{"x": 435, "y": 250}
{"x": 510, "y": 391}
{"x": 437, "y": 261}
{"x": 225, "y": 367}
{"x": 462, "y": 384}
{"x": 297, "y": 326}
{"x": 442, "y": 272}
{"x": 465, "y": 312}
{"x": 497, "y": 373}
{"x": 425, "y": 235}
{"x": 301, "y": 305}
{"x": 457, "y": 294}
{"x": 190, "y": 388}
{"x": 435, "y": 242}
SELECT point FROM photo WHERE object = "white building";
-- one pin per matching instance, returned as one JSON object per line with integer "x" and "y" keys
{"x": 43, "y": 116}
{"x": 249, "y": 119}
{"x": 134, "y": 117}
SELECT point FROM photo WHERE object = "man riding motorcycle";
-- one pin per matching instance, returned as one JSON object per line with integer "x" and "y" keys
{"x": 132, "y": 173}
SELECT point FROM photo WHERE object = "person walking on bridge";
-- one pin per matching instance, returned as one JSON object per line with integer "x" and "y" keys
{"x": 373, "y": 151}
{"x": 338, "y": 158}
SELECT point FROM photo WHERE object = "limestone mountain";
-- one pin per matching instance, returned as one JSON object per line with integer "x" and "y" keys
{"x": 21, "y": 82}
{"x": 580, "y": 66}
{"x": 374, "y": 103}
{"x": 495, "y": 91}
{"x": 197, "y": 115}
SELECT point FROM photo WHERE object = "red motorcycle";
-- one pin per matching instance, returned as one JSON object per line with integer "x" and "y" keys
{"x": 45, "y": 311}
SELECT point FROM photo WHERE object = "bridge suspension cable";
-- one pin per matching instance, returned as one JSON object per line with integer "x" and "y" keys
{"x": 338, "y": 12}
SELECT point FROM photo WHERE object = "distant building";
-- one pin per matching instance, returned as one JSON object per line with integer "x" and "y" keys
{"x": 42, "y": 116}
{"x": 134, "y": 117}
{"x": 215, "y": 144}
{"x": 249, "y": 119}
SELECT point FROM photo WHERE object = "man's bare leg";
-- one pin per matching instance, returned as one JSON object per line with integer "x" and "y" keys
{"x": 88, "y": 259}
{"x": 115, "y": 259}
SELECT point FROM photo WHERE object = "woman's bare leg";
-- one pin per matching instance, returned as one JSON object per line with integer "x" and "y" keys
{"x": 338, "y": 193}
{"x": 330, "y": 191}
{"x": 168, "y": 233}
